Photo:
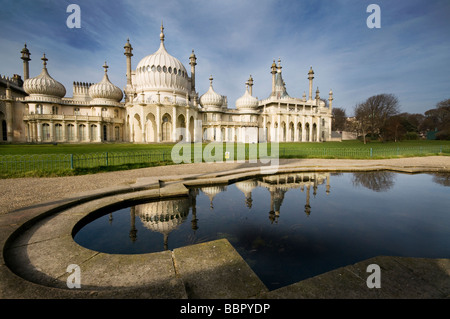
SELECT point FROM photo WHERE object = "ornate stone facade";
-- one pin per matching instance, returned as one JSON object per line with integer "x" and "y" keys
{"x": 158, "y": 104}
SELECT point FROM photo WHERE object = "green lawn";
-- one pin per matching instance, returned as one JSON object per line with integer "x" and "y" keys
{"x": 75, "y": 159}
{"x": 22, "y": 149}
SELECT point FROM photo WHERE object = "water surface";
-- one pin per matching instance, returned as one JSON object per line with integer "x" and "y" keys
{"x": 292, "y": 227}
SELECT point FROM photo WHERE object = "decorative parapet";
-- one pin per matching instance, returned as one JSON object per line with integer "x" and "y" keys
{"x": 72, "y": 118}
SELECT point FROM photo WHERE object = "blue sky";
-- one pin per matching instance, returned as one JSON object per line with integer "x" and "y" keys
{"x": 409, "y": 56}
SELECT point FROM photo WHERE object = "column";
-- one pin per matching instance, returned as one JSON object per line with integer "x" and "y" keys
{"x": 303, "y": 129}
{"x": 99, "y": 132}
{"x": 39, "y": 131}
{"x": 64, "y": 128}
{"x": 174, "y": 124}
{"x": 52, "y": 131}
{"x": 158, "y": 123}
{"x": 319, "y": 133}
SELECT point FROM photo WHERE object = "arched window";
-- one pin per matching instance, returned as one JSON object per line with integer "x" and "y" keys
{"x": 116, "y": 133}
{"x": 166, "y": 128}
{"x": 46, "y": 132}
{"x": 58, "y": 132}
{"x": 93, "y": 132}
{"x": 4, "y": 131}
{"x": 70, "y": 132}
{"x": 82, "y": 132}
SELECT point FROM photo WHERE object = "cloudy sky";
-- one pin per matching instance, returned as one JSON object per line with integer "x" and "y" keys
{"x": 408, "y": 56}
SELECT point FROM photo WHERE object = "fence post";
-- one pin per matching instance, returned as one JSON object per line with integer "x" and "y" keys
{"x": 71, "y": 161}
{"x": 106, "y": 158}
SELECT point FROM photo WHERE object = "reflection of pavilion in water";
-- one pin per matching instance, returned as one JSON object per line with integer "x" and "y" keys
{"x": 166, "y": 216}
{"x": 278, "y": 185}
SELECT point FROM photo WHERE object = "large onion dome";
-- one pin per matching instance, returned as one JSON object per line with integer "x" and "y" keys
{"x": 44, "y": 84}
{"x": 247, "y": 101}
{"x": 161, "y": 72}
{"x": 163, "y": 216}
{"x": 211, "y": 99}
{"x": 105, "y": 92}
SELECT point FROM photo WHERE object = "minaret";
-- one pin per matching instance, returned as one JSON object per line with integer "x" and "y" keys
{"x": 330, "y": 99}
{"x": 310, "y": 78}
{"x": 250, "y": 85}
{"x": 128, "y": 53}
{"x": 274, "y": 73}
{"x": 26, "y": 58}
{"x": 193, "y": 63}
{"x": 317, "y": 96}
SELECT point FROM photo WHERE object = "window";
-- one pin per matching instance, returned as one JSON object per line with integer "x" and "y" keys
{"x": 93, "y": 132}
{"x": 58, "y": 132}
{"x": 46, "y": 132}
{"x": 82, "y": 132}
{"x": 76, "y": 111}
{"x": 166, "y": 127}
{"x": 105, "y": 133}
{"x": 4, "y": 131}
{"x": 70, "y": 132}
{"x": 39, "y": 109}
{"x": 117, "y": 133}
{"x": 153, "y": 68}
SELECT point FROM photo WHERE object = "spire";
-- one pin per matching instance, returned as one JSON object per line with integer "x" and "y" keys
{"x": 44, "y": 59}
{"x": 105, "y": 66}
{"x": 210, "y": 81}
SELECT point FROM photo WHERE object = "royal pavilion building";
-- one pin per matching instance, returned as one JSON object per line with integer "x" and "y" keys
{"x": 158, "y": 104}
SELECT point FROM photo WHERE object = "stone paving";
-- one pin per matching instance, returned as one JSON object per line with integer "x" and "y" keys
{"x": 37, "y": 244}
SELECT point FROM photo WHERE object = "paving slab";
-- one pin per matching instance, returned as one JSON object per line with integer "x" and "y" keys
{"x": 400, "y": 278}
{"x": 216, "y": 270}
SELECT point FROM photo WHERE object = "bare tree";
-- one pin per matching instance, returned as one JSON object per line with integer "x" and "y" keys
{"x": 339, "y": 120}
{"x": 381, "y": 107}
{"x": 362, "y": 119}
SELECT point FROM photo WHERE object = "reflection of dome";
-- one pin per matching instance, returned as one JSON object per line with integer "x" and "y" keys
{"x": 163, "y": 216}
{"x": 44, "y": 84}
{"x": 246, "y": 187}
{"x": 212, "y": 191}
{"x": 104, "y": 91}
{"x": 211, "y": 99}
{"x": 247, "y": 101}
{"x": 161, "y": 72}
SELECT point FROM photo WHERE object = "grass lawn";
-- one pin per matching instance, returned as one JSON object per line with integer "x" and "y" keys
{"x": 22, "y": 149}
{"x": 35, "y": 160}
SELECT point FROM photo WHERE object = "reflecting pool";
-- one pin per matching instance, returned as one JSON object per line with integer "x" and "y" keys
{"x": 294, "y": 226}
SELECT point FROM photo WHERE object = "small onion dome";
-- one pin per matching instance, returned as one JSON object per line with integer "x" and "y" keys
{"x": 105, "y": 90}
{"x": 247, "y": 101}
{"x": 211, "y": 98}
{"x": 44, "y": 84}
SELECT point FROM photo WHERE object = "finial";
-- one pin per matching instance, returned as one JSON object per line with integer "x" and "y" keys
{"x": 45, "y": 60}
{"x": 161, "y": 36}
{"x": 210, "y": 80}
{"x": 105, "y": 66}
